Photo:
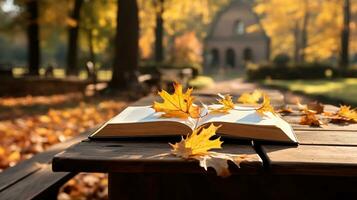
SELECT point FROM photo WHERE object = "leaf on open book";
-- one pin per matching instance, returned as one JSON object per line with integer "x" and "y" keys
{"x": 178, "y": 104}
{"x": 226, "y": 102}
{"x": 266, "y": 106}
{"x": 344, "y": 114}
{"x": 309, "y": 118}
{"x": 197, "y": 145}
{"x": 250, "y": 98}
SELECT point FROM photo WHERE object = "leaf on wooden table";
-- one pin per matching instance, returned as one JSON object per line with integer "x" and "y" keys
{"x": 219, "y": 162}
{"x": 178, "y": 104}
{"x": 250, "y": 98}
{"x": 316, "y": 106}
{"x": 344, "y": 115}
{"x": 285, "y": 110}
{"x": 226, "y": 102}
{"x": 266, "y": 106}
{"x": 197, "y": 145}
{"x": 309, "y": 118}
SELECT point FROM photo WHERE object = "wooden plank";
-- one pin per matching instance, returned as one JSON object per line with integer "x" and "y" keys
{"x": 37, "y": 185}
{"x": 312, "y": 159}
{"x": 130, "y": 156}
{"x": 327, "y": 137}
{"x": 26, "y": 168}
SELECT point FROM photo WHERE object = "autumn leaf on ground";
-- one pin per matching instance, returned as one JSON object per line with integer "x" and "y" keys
{"x": 250, "y": 98}
{"x": 344, "y": 114}
{"x": 309, "y": 118}
{"x": 226, "y": 102}
{"x": 197, "y": 145}
{"x": 178, "y": 104}
{"x": 266, "y": 106}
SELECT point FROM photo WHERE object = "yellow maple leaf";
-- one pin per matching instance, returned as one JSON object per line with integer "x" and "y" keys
{"x": 226, "y": 102}
{"x": 197, "y": 143}
{"x": 178, "y": 104}
{"x": 250, "y": 98}
{"x": 346, "y": 113}
{"x": 266, "y": 106}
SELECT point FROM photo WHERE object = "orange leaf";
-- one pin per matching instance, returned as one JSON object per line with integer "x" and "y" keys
{"x": 178, "y": 104}
{"x": 226, "y": 102}
{"x": 266, "y": 106}
{"x": 309, "y": 118}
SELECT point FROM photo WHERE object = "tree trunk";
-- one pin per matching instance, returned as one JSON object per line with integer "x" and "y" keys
{"x": 304, "y": 32}
{"x": 126, "y": 46}
{"x": 296, "y": 42}
{"x": 72, "y": 53}
{"x": 33, "y": 37}
{"x": 92, "y": 56}
{"x": 345, "y": 34}
{"x": 159, "y": 31}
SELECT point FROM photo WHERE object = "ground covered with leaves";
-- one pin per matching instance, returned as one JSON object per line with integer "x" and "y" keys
{"x": 30, "y": 125}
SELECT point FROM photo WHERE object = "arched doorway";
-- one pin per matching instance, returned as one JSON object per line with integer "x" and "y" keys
{"x": 230, "y": 58}
{"x": 248, "y": 54}
{"x": 214, "y": 58}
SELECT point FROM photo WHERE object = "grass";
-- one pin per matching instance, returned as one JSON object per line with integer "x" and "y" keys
{"x": 344, "y": 89}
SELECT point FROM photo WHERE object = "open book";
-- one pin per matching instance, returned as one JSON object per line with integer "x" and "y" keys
{"x": 243, "y": 122}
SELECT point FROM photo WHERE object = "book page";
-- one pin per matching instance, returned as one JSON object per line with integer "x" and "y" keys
{"x": 248, "y": 115}
{"x": 135, "y": 114}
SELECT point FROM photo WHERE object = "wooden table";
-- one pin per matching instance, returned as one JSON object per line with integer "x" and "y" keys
{"x": 323, "y": 166}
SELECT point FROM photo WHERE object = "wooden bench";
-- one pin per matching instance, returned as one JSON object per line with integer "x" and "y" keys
{"x": 33, "y": 178}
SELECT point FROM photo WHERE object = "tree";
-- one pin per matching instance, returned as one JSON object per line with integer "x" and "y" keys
{"x": 72, "y": 68}
{"x": 33, "y": 37}
{"x": 159, "y": 31}
{"x": 126, "y": 46}
{"x": 345, "y": 34}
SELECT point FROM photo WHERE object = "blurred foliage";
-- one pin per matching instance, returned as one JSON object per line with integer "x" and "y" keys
{"x": 284, "y": 21}
{"x": 281, "y": 60}
{"x": 341, "y": 89}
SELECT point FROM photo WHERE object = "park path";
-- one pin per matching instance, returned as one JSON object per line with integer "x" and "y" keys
{"x": 237, "y": 86}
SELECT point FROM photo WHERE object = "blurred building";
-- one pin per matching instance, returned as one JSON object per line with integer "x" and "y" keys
{"x": 236, "y": 37}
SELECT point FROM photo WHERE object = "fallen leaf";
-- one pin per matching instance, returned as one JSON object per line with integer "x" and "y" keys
{"x": 344, "y": 115}
{"x": 197, "y": 143}
{"x": 250, "y": 98}
{"x": 309, "y": 118}
{"x": 316, "y": 106}
{"x": 285, "y": 110}
{"x": 219, "y": 162}
{"x": 178, "y": 104}
{"x": 226, "y": 102}
{"x": 266, "y": 106}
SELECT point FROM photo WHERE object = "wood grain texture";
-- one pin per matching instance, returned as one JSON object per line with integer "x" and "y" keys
{"x": 312, "y": 159}
{"x": 138, "y": 157}
{"x": 327, "y": 137}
